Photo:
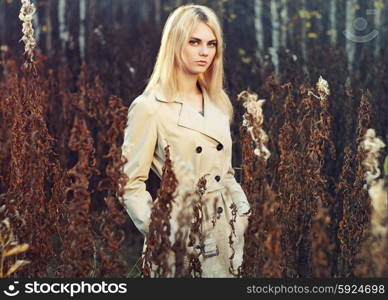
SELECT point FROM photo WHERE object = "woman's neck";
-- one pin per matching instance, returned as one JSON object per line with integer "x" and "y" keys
{"x": 187, "y": 84}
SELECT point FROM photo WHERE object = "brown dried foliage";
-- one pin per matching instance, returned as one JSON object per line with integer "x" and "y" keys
{"x": 292, "y": 213}
{"x": 319, "y": 223}
{"x": 356, "y": 202}
{"x": 32, "y": 163}
{"x": 54, "y": 210}
{"x": 112, "y": 219}
{"x": 262, "y": 253}
{"x": 158, "y": 250}
{"x": 60, "y": 174}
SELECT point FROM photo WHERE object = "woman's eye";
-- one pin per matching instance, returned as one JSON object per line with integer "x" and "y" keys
{"x": 193, "y": 42}
{"x": 212, "y": 44}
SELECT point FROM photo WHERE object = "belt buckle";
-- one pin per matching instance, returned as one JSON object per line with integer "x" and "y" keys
{"x": 211, "y": 253}
{"x": 210, "y": 249}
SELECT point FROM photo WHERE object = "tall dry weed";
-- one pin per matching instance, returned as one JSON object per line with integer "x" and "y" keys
{"x": 356, "y": 203}
{"x": 113, "y": 218}
{"x": 290, "y": 183}
{"x": 262, "y": 239}
{"x": 156, "y": 261}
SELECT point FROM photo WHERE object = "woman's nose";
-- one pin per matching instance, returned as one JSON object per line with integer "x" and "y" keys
{"x": 204, "y": 51}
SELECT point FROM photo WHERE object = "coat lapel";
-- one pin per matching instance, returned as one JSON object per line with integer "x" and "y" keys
{"x": 211, "y": 124}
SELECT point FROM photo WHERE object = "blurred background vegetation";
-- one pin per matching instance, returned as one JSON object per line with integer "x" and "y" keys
{"x": 294, "y": 41}
{"x": 298, "y": 40}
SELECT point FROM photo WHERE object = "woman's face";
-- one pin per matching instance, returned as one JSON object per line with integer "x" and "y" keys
{"x": 198, "y": 53}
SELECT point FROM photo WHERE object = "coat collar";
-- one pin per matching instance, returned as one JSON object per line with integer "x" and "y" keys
{"x": 211, "y": 124}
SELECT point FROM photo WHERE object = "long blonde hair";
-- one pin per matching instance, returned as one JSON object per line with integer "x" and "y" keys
{"x": 176, "y": 32}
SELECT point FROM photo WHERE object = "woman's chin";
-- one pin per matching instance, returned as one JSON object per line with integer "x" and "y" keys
{"x": 198, "y": 70}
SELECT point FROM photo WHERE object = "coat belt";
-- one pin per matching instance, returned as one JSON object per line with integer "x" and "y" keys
{"x": 214, "y": 187}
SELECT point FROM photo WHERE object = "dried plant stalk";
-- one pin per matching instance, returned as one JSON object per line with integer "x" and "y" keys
{"x": 9, "y": 246}
{"x": 262, "y": 239}
{"x": 26, "y": 14}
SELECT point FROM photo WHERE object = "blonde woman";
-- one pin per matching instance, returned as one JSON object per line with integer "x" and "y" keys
{"x": 184, "y": 106}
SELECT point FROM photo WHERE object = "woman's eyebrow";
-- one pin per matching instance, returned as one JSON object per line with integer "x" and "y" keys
{"x": 198, "y": 39}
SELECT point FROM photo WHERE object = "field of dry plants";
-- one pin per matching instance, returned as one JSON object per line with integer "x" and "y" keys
{"x": 313, "y": 167}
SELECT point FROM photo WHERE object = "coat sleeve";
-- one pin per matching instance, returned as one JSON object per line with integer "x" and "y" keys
{"x": 138, "y": 148}
{"x": 237, "y": 193}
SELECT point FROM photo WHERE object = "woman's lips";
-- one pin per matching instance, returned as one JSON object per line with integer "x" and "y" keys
{"x": 201, "y": 62}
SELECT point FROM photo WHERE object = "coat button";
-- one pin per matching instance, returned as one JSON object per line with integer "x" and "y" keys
{"x": 198, "y": 149}
{"x": 219, "y": 210}
{"x": 218, "y": 178}
{"x": 220, "y": 147}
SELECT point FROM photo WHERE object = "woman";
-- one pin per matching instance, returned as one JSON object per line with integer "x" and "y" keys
{"x": 184, "y": 106}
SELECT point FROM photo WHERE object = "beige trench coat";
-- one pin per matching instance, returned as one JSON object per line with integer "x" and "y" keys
{"x": 203, "y": 141}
